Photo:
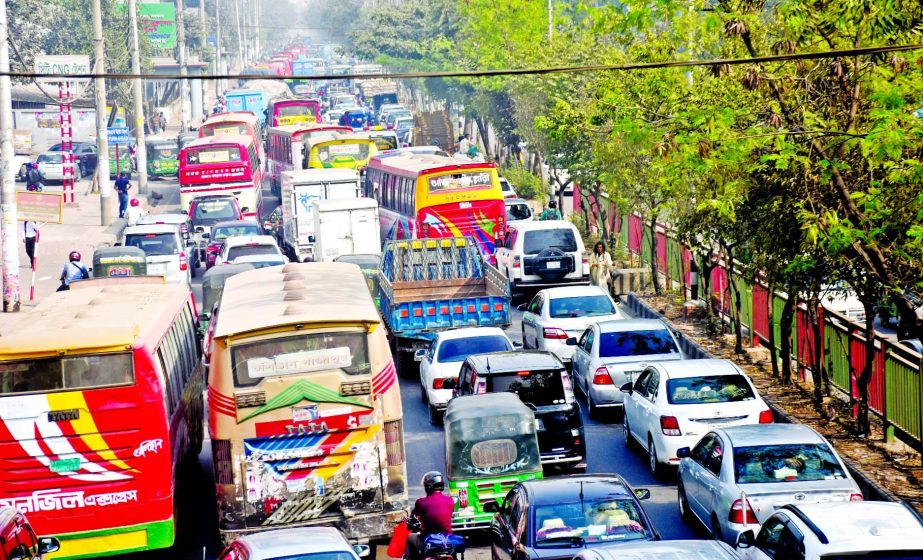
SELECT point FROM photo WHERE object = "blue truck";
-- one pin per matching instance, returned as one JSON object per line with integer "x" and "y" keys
{"x": 252, "y": 100}
{"x": 429, "y": 285}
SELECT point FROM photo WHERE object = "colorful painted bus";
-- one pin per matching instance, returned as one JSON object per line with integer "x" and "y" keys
{"x": 434, "y": 196}
{"x": 235, "y": 123}
{"x": 100, "y": 403}
{"x": 340, "y": 150}
{"x": 222, "y": 165}
{"x": 285, "y": 148}
{"x": 304, "y": 406}
{"x": 293, "y": 111}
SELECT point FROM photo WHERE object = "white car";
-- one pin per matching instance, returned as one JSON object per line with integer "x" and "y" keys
{"x": 301, "y": 543}
{"x": 333, "y": 116}
{"x": 444, "y": 358}
{"x": 507, "y": 188}
{"x": 166, "y": 252}
{"x": 673, "y": 404}
{"x": 51, "y": 165}
{"x": 556, "y": 314}
{"x": 247, "y": 245}
{"x": 884, "y": 530}
{"x": 543, "y": 254}
{"x": 612, "y": 353}
{"x": 261, "y": 261}
{"x": 518, "y": 211}
{"x": 664, "y": 550}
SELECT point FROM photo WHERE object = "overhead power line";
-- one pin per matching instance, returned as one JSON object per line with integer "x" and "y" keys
{"x": 499, "y": 72}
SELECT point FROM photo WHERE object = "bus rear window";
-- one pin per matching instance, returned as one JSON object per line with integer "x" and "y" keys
{"x": 225, "y": 130}
{"x": 348, "y": 150}
{"x": 295, "y": 110}
{"x": 66, "y": 374}
{"x": 459, "y": 181}
{"x": 212, "y": 155}
{"x": 302, "y": 354}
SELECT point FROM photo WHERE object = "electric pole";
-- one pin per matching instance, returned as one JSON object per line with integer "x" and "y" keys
{"x": 10, "y": 227}
{"x": 102, "y": 134}
{"x": 240, "y": 40}
{"x": 183, "y": 70}
{"x": 219, "y": 68}
{"x": 141, "y": 152}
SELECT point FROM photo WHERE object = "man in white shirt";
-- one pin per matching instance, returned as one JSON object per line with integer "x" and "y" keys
{"x": 30, "y": 236}
{"x": 134, "y": 212}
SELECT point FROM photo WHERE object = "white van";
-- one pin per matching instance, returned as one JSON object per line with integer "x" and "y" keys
{"x": 167, "y": 254}
{"x": 543, "y": 254}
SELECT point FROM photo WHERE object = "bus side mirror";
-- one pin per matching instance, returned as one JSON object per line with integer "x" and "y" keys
{"x": 47, "y": 545}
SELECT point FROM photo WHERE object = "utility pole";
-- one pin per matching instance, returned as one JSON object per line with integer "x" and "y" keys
{"x": 10, "y": 226}
{"x": 183, "y": 69}
{"x": 550, "y": 20}
{"x": 203, "y": 28}
{"x": 102, "y": 137}
{"x": 219, "y": 69}
{"x": 141, "y": 153}
{"x": 256, "y": 29}
{"x": 240, "y": 39}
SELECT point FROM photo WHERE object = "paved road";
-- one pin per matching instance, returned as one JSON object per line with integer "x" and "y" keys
{"x": 605, "y": 449}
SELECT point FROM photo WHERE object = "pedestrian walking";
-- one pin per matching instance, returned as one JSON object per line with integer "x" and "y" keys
{"x": 163, "y": 122}
{"x": 155, "y": 122}
{"x": 134, "y": 212}
{"x": 30, "y": 237}
{"x": 73, "y": 270}
{"x": 121, "y": 186}
{"x": 552, "y": 212}
{"x": 600, "y": 266}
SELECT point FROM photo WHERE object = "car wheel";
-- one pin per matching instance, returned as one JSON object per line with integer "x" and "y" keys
{"x": 435, "y": 416}
{"x": 22, "y": 172}
{"x": 716, "y": 528}
{"x": 193, "y": 267}
{"x": 524, "y": 347}
{"x": 682, "y": 503}
{"x": 653, "y": 462}
{"x": 593, "y": 410}
{"x": 629, "y": 440}
{"x": 81, "y": 172}
{"x": 423, "y": 396}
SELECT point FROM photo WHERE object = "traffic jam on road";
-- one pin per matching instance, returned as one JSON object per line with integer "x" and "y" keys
{"x": 398, "y": 326}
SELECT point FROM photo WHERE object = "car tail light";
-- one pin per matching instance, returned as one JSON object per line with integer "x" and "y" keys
{"x": 221, "y": 452}
{"x": 568, "y": 388}
{"x": 462, "y": 498}
{"x": 670, "y": 426}
{"x": 183, "y": 265}
{"x": 602, "y": 377}
{"x": 742, "y": 513}
{"x": 438, "y": 383}
{"x": 856, "y": 497}
{"x": 394, "y": 442}
{"x": 586, "y": 262}
{"x": 552, "y": 333}
{"x": 766, "y": 417}
{"x": 212, "y": 249}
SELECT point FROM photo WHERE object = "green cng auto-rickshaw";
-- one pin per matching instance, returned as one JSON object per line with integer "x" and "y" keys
{"x": 369, "y": 265}
{"x": 212, "y": 286}
{"x": 119, "y": 261}
{"x": 490, "y": 445}
{"x": 162, "y": 157}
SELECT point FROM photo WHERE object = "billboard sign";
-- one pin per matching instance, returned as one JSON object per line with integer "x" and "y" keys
{"x": 158, "y": 22}
{"x": 62, "y": 65}
{"x": 39, "y": 206}
{"x": 118, "y": 135}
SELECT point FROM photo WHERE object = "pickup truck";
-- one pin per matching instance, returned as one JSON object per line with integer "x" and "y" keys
{"x": 429, "y": 285}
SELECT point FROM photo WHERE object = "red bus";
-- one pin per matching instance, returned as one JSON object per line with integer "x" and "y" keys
{"x": 100, "y": 404}
{"x": 284, "y": 145}
{"x": 222, "y": 165}
{"x": 235, "y": 123}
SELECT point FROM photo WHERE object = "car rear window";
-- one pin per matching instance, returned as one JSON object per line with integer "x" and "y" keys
{"x": 636, "y": 343}
{"x": 536, "y": 241}
{"x": 50, "y": 158}
{"x": 224, "y": 232}
{"x": 795, "y": 462}
{"x": 709, "y": 389}
{"x": 581, "y": 306}
{"x": 459, "y": 349}
{"x": 213, "y": 210}
{"x": 250, "y": 250}
{"x": 518, "y": 212}
{"x": 538, "y": 388}
{"x": 153, "y": 243}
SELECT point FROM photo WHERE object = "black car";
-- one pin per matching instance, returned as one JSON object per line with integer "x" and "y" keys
{"x": 555, "y": 518}
{"x": 541, "y": 381}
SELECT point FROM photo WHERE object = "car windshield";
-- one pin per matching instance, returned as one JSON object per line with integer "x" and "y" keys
{"x": 636, "y": 343}
{"x": 250, "y": 250}
{"x": 260, "y": 263}
{"x": 592, "y": 521}
{"x": 538, "y": 388}
{"x": 221, "y": 233}
{"x": 580, "y": 306}
{"x": 878, "y": 555}
{"x": 153, "y": 243}
{"x": 50, "y": 158}
{"x": 794, "y": 462}
{"x": 562, "y": 238}
{"x": 210, "y": 211}
{"x": 709, "y": 389}
{"x": 365, "y": 262}
{"x": 518, "y": 212}
{"x": 458, "y": 349}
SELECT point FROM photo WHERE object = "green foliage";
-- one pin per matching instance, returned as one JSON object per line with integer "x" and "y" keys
{"x": 527, "y": 185}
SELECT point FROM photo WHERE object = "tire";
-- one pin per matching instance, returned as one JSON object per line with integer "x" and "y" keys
{"x": 630, "y": 442}
{"x": 81, "y": 172}
{"x": 682, "y": 502}
{"x": 547, "y": 254}
{"x": 435, "y": 416}
{"x": 653, "y": 461}
{"x": 193, "y": 269}
{"x": 716, "y": 528}
{"x": 423, "y": 395}
{"x": 592, "y": 409}
{"x": 524, "y": 347}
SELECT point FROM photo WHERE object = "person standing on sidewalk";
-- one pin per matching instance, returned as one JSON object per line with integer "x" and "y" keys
{"x": 73, "y": 270}
{"x": 121, "y": 186}
{"x": 30, "y": 237}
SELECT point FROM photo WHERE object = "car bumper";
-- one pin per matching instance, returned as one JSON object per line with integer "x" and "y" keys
{"x": 439, "y": 398}
{"x": 564, "y": 352}
{"x": 541, "y": 283}
{"x": 607, "y": 395}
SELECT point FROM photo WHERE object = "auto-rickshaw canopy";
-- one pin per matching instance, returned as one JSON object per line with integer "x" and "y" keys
{"x": 213, "y": 283}
{"x": 119, "y": 261}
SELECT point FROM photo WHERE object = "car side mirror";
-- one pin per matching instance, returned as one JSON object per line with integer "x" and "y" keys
{"x": 642, "y": 493}
{"x": 683, "y": 452}
{"x": 517, "y": 345}
{"x": 48, "y": 545}
{"x": 450, "y": 383}
{"x": 523, "y": 307}
{"x": 490, "y": 506}
{"x": 362, "y": 550}
{"x": 626, "y": 388}
{"x": 419, "y": 355}
{"x": 572, "y": 341}
{"x": 117, "y": 244}
{"x": 206, "y": 235}
{"x": 190, "y": 243}
{"x": 199, "y": 229}
{"x": 746, "y": 539}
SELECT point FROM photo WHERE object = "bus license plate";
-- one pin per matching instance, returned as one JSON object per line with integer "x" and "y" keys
{"x": 554, "y": 264}
{"x": 464, "y": 205}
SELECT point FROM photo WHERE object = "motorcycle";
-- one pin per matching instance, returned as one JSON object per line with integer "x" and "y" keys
{"x": 35, "y": 187}
{"x": 435, "y": 547}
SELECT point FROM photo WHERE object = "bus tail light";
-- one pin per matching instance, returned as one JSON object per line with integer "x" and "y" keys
{"x": 394, "y": 442}
{"x": 221, "y": 453}
{"x": 602, "y": 377}
{"x": 183, "y": 264}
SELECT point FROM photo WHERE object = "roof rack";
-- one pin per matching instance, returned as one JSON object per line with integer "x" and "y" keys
{"x": 807, "y": 521}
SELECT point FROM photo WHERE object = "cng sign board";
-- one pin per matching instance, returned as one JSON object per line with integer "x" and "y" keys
{"x": 158, "y": 22}
{"x": 62, "y": 65}
{"x": 39, "y": 206}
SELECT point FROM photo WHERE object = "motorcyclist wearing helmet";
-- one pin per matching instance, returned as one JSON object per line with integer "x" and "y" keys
{"x": 34, "y": 177}
{"x": 552, "y": 212}
{"x": 434, "y": 512}
{"x": 134, "y": 212}
{"x": 73, "y": 270}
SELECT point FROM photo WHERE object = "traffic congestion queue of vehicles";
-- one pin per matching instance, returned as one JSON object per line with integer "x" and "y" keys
{"x": 285, "y": 149}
